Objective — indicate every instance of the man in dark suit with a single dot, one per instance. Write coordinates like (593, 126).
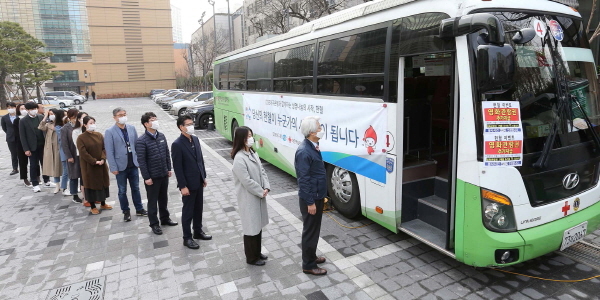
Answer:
(7, 122)
(188, 165)
(32, 140)
(312, 184)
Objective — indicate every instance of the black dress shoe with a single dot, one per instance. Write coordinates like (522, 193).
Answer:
(127, 216)
(191, 244)
(14, 172)
(263, 257)
(142, 213)
(156, 229)
(169, 222)
(259, 262)
(202, 236)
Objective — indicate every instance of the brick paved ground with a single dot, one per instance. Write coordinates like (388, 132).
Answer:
(47, 242)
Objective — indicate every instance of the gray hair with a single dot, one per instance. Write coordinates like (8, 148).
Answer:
(308, 125)
(117, 110)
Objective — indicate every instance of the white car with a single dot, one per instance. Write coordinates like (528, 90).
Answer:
(52, 100)
(179, 108)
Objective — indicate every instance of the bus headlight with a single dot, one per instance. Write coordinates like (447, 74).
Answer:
(498, 213)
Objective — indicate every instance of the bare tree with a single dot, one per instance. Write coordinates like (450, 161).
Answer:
(205, 50)
(589, 25)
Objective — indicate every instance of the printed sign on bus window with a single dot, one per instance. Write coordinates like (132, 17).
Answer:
(502, 134)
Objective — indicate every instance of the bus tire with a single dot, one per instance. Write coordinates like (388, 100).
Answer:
(234, 126)
(342, 188)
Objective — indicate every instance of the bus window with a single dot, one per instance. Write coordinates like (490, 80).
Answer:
(296, 62)
(237, 75)
(223, 76)
(260, 73)
(414, 35)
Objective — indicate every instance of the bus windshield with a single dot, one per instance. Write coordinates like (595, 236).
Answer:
(560, 45)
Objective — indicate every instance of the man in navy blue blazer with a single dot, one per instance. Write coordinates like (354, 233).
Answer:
(190, 172)
(119, 141)
(312, 184)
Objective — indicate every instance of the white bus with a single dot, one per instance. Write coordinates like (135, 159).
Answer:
(470, 125)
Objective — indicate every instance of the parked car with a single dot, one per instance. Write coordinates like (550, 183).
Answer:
(52, 100)
(157, 91)
(183, 97)
(179, 108)
(67, 95)
(163, 94)
(168, 96)
(163, 101)
(202, 113)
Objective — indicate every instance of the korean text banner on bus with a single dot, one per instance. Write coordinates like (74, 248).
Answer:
(355, 132)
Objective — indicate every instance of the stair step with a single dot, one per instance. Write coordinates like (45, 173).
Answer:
(436, 202)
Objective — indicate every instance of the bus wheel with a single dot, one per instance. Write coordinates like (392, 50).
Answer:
(234, 126)
(343, 190)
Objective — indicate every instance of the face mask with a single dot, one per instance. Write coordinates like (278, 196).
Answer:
(123, 120)
(81, 121)
(250, 142)
(23, 113)
(52, 117)
(190, 129)
(12, 111)
(155, 125)
(320, 134)
(91, 127)
(33, 112)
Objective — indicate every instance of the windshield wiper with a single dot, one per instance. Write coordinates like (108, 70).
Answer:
(587, 121)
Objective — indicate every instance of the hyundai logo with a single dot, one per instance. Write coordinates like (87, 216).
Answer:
(570, 181)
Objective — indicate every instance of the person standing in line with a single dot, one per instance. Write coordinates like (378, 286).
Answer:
(23, 160)
(8, 127)
(251, 186)
(51, 165)
(93, 95)
(155, 165)
(120, 140)
(77, 131)
(32, 140)
(93, 165)
(190, 172)
(69, 150)
(312, 184)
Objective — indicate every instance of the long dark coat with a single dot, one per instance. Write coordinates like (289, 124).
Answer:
(91, 150)
(70, 150)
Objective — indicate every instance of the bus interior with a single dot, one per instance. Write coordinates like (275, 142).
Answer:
(427, 147)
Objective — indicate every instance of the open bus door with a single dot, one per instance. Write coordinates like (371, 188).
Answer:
(426, 114)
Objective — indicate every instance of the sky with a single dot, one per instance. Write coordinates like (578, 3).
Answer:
(191, 10)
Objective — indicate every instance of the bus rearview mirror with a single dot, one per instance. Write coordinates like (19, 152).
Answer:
(458, 26)
(495, 68)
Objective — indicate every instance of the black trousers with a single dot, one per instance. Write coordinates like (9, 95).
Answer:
(252, 247)
(36, 160)
(192, 211)
(14, 156)
(23, 162)
(158, 198)
(310, 234)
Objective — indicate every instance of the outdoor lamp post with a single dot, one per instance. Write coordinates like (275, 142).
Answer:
(201, 21)
(212, 2)
(230, 27)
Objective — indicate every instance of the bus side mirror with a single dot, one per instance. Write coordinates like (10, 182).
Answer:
(458, 26)
(495, 68)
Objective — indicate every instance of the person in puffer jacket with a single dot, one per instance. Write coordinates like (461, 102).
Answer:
(155, 165)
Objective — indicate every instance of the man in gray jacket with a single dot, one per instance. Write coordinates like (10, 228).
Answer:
(155, 165)
(119, 142)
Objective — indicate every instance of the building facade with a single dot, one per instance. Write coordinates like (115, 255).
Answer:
(112, 47)
(177, 28)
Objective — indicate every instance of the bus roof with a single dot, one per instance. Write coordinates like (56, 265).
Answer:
(463, 7)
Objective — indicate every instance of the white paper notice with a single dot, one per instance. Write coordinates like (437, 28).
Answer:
(502, 134)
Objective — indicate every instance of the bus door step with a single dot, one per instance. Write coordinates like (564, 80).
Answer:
(432, 210)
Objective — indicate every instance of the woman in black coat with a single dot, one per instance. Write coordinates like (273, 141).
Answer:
(23, 159)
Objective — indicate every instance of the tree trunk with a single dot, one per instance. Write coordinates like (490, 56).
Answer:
(24, 97)
(3, 90)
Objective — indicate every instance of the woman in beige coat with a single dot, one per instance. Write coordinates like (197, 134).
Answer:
(52, 165)
(252, 187)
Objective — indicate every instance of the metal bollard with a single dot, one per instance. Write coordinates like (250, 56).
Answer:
(211, 124)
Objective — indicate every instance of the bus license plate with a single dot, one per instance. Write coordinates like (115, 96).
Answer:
(573, 235)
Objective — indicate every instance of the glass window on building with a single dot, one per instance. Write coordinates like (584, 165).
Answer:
(67, 76)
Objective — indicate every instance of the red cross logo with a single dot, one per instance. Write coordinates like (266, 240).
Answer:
(566, 208)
